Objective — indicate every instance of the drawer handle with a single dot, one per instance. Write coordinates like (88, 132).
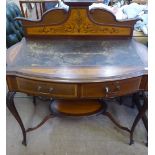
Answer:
(107, 90)
(40, 90)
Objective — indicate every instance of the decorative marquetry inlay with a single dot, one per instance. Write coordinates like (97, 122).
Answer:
(78, 23)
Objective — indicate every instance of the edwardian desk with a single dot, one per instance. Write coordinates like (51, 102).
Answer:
(77, 58)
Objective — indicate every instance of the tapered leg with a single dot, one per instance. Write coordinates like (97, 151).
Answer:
(12, 108)
(109, 115)
(34, 100)
(119, 99)
(136, 101)
(139, 116)
(115, 122)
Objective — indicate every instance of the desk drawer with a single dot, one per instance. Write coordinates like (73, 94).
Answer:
(46, 88)
(110, 89)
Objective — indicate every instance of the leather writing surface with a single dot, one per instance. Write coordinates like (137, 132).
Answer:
(69, 52)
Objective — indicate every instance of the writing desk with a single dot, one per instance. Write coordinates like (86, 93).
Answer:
(76, 68)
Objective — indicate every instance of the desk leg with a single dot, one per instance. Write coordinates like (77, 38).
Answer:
(13, 110)
(109, 115)
(34, 100)
(43, 121)
(136, 101)
(139, 116)
(115, 122)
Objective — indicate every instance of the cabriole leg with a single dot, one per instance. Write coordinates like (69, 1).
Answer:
(13, 110)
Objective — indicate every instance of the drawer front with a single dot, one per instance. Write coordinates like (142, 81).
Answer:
(110, 89)
(47, 88)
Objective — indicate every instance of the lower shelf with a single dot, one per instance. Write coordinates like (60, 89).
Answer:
(77, 107)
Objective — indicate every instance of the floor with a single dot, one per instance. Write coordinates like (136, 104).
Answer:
(65, 136)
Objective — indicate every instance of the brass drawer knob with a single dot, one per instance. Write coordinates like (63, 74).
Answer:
(109, 91)
(49, 90)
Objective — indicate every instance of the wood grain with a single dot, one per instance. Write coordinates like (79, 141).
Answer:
(77, 107)
(97, 90)
(78, 22)
(77, 90)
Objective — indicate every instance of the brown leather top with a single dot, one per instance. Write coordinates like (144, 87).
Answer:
(73, 59)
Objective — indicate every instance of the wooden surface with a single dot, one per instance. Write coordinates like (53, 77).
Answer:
(92, 90)
(77, 107)
(77, 60)
(68, 68)
(78, 20)
(40, 88)
(114, 89)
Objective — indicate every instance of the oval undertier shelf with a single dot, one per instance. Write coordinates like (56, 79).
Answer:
(77, 107)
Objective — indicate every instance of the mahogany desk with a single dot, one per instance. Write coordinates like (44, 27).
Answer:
(76, 73)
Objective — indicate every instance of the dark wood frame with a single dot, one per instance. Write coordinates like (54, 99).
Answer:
(14, 74)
